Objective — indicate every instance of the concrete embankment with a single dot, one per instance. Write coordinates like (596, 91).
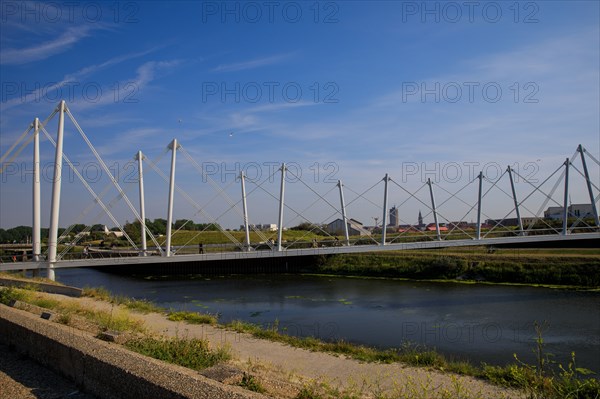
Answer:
(42, 286)
(104, 369)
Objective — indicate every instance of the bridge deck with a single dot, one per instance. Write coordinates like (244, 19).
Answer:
(225, 256)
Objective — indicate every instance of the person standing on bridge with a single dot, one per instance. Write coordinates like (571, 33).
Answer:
(200, 248)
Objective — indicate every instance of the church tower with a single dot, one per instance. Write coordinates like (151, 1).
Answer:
(420, 219)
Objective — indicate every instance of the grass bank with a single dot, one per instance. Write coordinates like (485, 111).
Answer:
(187, 352)
(538, 380)
(565, 267)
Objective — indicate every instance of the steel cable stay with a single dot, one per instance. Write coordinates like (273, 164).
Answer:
(411, 195)
(92, 192)
(106, 169)
(82, 214)
(197, 212)
(583, 175)
(316, 226)
(591, 156)
(257, 186)
(455, 195)
(362, 196)
(471, 207)
(110, 205)
(113, 202)
(15, 144)
(500, 221)
(298, 214)
(548, 197)
(195, 205)
(320, 197)
(359, 196)
(23, 135)
(222, 192)
(581, 218)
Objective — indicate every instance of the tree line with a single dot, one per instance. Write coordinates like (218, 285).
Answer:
(22, 234)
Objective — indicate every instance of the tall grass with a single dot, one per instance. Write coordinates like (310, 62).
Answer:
(192, 353)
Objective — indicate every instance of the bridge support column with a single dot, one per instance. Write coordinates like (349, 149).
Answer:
(478, 231)
(36, 240)
(386, 179)
(173, 147)
(344, 218)
(565, 229)
(281, 204)
(56, 187)
(140, 157)
(435, 217)
(514, 194)
(245, 209)
(589, 185)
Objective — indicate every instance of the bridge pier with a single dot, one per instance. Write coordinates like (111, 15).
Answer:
(36, 239)
(589, 185)
(478, 232)
(565, 230)
(386, 179)
(345, 219)
(140, 157)
(173, 146)
(281, 204)
(56, 188)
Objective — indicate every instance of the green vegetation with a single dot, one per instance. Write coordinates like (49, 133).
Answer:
(138, 305)
(115, 320)
(192, 353)
(537, 381)
(579, 267)
(192, 317)
(250, 383)
(545, 379)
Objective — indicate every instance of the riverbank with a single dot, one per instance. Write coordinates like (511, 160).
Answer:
(288, 372)
(569, 268)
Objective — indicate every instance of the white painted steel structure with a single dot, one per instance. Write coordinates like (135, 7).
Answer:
(571, 230)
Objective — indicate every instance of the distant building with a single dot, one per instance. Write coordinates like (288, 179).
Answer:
(355, 228)
(394, 217)
(267, 227)
(431, 227)
(117, 234)
(511, 222)
(574, 210)
(420, 223)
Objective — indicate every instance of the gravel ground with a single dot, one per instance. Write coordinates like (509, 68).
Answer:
(22, 378)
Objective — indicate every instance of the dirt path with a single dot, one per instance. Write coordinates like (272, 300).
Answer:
(292, 364)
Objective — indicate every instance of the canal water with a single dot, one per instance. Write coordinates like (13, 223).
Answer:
(476, 322)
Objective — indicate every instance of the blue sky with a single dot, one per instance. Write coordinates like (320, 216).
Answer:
(342, 90)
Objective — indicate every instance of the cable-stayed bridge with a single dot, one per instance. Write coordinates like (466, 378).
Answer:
(568, 223)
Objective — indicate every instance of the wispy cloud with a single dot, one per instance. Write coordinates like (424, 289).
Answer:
(144, 74)
(251, 64)
(42, 51)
